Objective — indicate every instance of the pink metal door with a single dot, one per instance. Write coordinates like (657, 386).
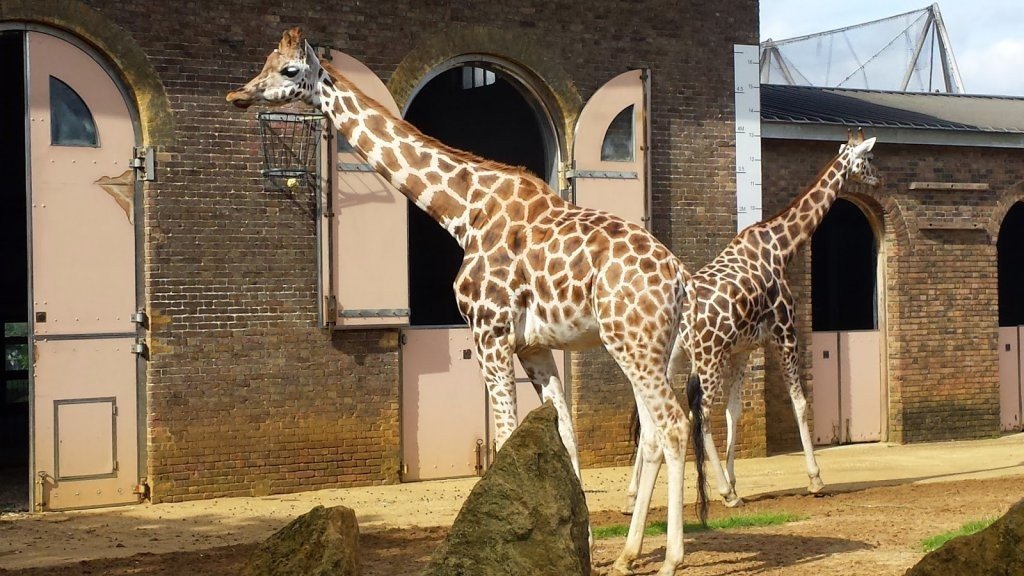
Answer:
(610, 169)
(860, 383)
(444, 407)
(825, 372)
(1010, 361)
(367, 278)
(84, 402)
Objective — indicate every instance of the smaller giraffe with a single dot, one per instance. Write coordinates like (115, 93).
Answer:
(742, 298)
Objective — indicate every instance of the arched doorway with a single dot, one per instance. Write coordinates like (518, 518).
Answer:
(487, 112)
(846, 340)
(1010, 249)
(71, 287)
(482, 107)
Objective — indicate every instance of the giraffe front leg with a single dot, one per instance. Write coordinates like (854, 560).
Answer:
(787, 347)
(540, 367)
(495, 357)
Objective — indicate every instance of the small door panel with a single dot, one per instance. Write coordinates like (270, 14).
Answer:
(367, 259)
(825, 371)
(1010, 359)
(77, 430)
(860, 379)
(84, 371)
(610, 149)
(444, 406)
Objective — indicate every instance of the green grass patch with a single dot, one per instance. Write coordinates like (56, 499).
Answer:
(727, 523)
(933, 542)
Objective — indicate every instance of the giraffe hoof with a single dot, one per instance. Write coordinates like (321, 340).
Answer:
(734, 502)
(816, 485)
(621, 568)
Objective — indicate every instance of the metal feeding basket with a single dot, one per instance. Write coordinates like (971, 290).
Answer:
(291, 146)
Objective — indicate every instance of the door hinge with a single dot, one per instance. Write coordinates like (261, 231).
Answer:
(402, 339)
(117, 465)
(140, 318)
(113, 409)
(144, 163)
(140, 348)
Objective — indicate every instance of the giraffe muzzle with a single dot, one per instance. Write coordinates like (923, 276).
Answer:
(240, 98)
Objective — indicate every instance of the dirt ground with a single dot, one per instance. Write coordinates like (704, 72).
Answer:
(861, 527)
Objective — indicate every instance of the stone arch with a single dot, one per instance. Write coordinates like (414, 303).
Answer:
(127, 58)
(1005, 201)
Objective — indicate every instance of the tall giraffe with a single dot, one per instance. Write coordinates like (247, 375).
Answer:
(539, 273)
(741, 299)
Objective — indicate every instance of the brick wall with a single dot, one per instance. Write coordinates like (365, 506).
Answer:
(245, 394)
(941, 306)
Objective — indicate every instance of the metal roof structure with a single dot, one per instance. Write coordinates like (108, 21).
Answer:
(908, 117)
(906, 52)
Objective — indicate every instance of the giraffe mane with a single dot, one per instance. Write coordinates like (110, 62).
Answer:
(456, 154)
(806, 191)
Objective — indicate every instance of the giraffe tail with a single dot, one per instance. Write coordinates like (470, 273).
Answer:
(694, 395)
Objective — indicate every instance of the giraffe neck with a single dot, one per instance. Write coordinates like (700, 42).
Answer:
(441, 181)
(794, 226)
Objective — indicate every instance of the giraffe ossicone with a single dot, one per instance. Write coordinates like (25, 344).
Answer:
(539, 273)
(742, 299)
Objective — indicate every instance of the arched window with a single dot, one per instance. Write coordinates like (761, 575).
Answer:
(71, 123)
(618, 140)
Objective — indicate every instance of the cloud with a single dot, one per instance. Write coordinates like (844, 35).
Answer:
(996, 68)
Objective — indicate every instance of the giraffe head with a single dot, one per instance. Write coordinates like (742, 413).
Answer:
(289, 75)
(858, 165)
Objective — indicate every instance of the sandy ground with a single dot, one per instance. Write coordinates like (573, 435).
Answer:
(883, 499)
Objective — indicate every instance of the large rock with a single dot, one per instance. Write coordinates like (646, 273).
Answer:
(321, 542)
(526, 517)
(995, 551)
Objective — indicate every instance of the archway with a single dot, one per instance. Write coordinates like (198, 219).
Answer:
(848, 399)
(1010, 249)
(479, 108)
(69, 399)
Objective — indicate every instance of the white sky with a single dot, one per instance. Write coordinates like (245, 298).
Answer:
(987, 35)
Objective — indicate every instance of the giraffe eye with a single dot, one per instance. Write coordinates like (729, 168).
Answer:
(290, 71)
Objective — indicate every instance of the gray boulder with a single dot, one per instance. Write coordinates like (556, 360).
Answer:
(527, 515)
(321, 542)
(995, 551)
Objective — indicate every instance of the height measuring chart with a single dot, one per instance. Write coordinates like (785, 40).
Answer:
(746, 68)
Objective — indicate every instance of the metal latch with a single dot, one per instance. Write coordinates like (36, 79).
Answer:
(144, 163)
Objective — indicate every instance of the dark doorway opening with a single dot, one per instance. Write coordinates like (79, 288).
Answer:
(1010, 248)
(485, 112)
(844, 274)
(14, 387)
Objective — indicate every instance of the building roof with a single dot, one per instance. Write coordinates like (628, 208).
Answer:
(880, 109)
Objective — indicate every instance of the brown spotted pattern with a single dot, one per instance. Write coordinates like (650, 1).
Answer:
(741, 299)
(539, 273)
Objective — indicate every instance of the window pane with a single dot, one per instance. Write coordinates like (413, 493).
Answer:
(16, 392)
(618, 140)
(71, 123)
(15, 329)
(15, 357)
